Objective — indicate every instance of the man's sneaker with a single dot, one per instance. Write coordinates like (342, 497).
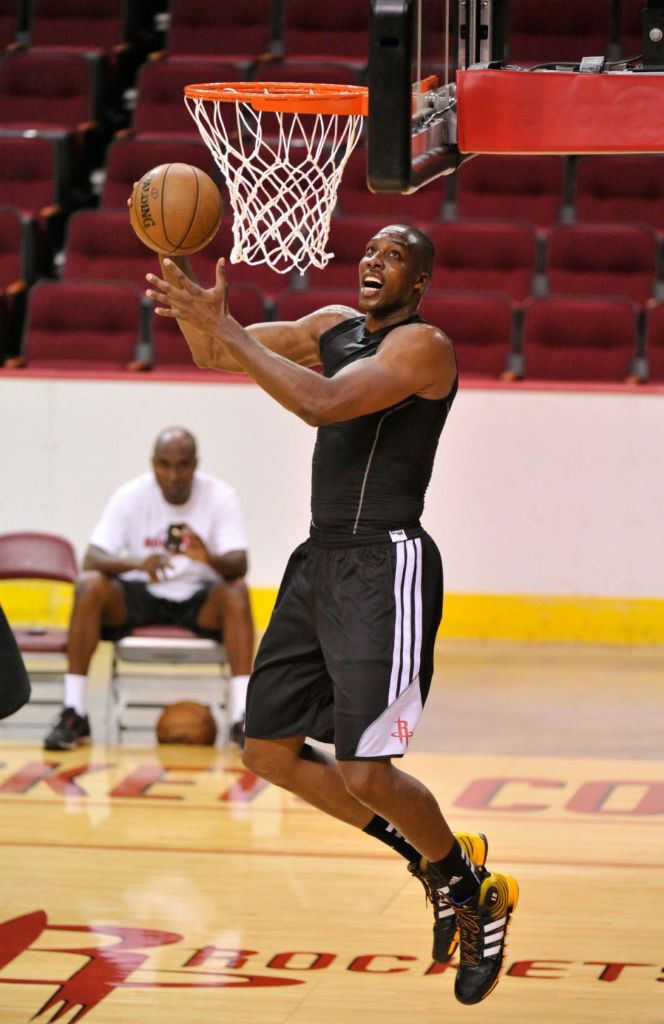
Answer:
(483, 922)
(70, 730)
(445, 930)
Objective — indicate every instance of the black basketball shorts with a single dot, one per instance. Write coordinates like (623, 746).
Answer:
(348, 655)
(144, 609)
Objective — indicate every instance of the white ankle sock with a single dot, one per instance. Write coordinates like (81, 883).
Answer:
(238, 697)
(74, 696)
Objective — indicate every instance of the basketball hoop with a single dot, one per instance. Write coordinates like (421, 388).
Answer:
(282, 157)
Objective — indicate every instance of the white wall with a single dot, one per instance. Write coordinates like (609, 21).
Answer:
(534, 492)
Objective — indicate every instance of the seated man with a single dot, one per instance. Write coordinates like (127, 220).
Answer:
(169, 549)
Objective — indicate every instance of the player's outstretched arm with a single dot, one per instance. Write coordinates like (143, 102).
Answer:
(204, 318)
(413, 359)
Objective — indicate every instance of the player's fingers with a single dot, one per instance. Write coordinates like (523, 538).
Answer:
(163, 286)
(162, 291)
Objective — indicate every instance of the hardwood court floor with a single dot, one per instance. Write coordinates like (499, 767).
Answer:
(165, 884)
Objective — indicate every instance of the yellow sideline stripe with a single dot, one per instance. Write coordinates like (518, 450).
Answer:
(515, 617)
(494, 616)
(590, 619)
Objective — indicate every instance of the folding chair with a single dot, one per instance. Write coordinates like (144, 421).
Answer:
(50, 559)
(156, 665)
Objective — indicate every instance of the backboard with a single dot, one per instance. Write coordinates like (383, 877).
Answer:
(415, 49)
(441, 92)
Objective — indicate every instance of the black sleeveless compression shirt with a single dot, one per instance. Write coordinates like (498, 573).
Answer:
(371, 473)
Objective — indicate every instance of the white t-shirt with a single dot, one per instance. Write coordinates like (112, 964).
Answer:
(136, 519)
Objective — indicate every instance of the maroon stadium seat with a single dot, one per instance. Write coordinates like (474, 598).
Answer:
(511, 188)
(49, 91)
(340, 30)
(236, 30)
(579, 338)
(101, 245)
(83, 325)
(35, 177)
(603, 259)
(495, 256)
(620, 188)
(102, 30)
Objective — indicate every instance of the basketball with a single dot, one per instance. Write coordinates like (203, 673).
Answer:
(187, 722)
(175, 209)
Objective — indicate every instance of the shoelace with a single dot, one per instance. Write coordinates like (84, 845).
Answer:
(433, 896)
(470, 931)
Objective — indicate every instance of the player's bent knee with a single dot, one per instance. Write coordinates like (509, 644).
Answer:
(267, 761)
(365, 780)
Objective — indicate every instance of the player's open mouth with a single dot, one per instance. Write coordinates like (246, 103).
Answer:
(371, 285)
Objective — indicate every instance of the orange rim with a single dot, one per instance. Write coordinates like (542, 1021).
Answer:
(291, 97)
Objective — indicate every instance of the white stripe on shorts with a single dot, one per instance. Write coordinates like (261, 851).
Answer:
(389, 734)
(408, 617)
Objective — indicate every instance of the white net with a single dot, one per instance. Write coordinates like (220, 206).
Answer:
(282, 171)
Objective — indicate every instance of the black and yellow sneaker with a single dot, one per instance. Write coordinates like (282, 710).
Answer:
(445, 930)
(483, 923)
(68, 731)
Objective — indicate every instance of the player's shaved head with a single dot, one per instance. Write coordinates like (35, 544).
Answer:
(417, 243)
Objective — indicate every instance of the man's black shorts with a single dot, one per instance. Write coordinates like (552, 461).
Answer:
(348, 654)
(144, 609)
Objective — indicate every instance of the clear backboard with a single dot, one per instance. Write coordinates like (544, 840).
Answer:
(440, 92)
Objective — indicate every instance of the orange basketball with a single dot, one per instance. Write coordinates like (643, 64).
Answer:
(175, 209)
(187, 722)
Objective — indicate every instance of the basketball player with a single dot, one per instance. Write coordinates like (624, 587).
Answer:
(348, 654)
(169, 549)
(14, 682)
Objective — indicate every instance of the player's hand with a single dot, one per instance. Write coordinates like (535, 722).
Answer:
(155, 566)
(182, 298)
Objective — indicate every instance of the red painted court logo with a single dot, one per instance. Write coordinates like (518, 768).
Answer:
(402, 731)
(110, 966)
